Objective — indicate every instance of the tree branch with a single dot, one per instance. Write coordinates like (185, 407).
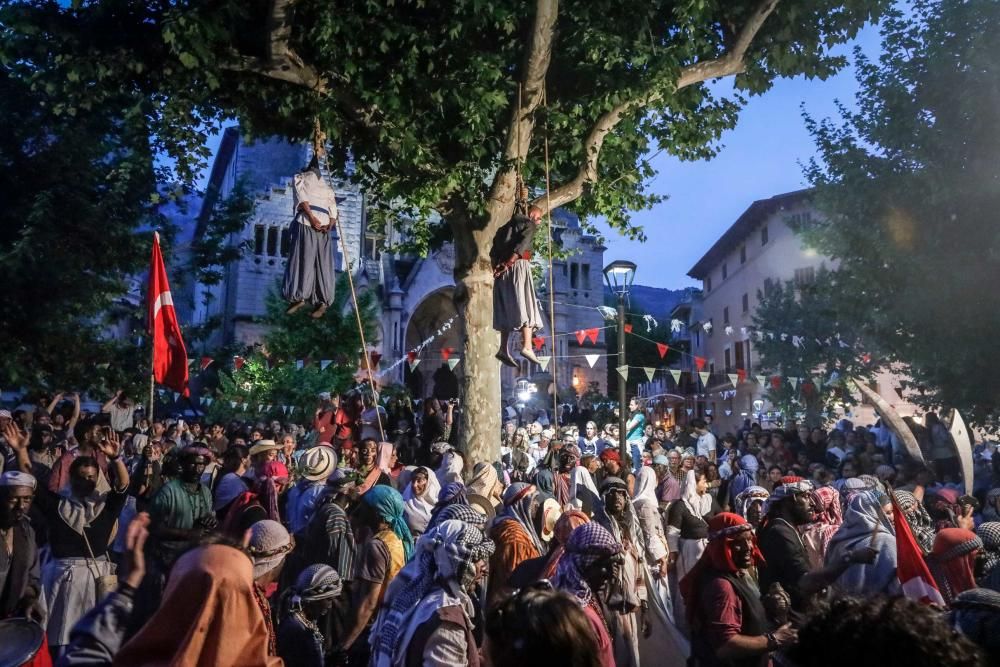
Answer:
(728, 64)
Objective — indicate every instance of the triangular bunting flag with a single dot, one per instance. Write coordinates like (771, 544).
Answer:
(411, 356)
(323, 363)
(592, 335)
(776, 381)
(628, 328)
(794, 382)
(662, 349)
(623, 371)
(209, 401)
(741, 375)
(704, 378)
(268, 408)
(374, 358)
(670, 410)
(708, 412)
(105, 366)
(761, 379)
(818, 381)
(676, 375)
(206, 362)
(452, 363)
(700, 362)
(544, 362)
(413, 363)
(299, 364)
(580, 336)
(446, 352)
(260, 408)
(538, 342)
(245, 406)
(238, 362)
(728, 412)
(689, 411)
(734, 378)
(176, 396)
(592, 359)
(232, 404)
(650, 372)
(284, 409)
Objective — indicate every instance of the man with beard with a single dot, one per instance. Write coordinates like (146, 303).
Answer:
(181, 511)
(785, 556)
(20, 576)
(724, 610)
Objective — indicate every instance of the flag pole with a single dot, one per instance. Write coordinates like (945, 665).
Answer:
(152, 350)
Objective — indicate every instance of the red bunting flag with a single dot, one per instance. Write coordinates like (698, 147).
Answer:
(170, 362)
(446, 352)
(867, 358)
(375, 357)
(592, 335)
(410, 356)
(776, 381)
(662, 349)
(238, 362)
(538, 342)
(628, 328)
(741, 373)
(700, 362)
(206, 362)
(580, 336)
(807, 388)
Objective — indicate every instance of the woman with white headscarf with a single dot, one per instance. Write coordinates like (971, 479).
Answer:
(582, 490)
(687, 530)
(450, 469)
(866, 524)
(419, 498)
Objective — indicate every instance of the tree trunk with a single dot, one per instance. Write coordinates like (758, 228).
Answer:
(479, 436)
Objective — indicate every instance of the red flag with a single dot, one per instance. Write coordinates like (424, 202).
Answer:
(741, 374)
(581, 336)
(776, 381)
(538, 342)
(700, 362)
(628, 328)
(912, 571)
(411, 355)
(592, 335)
(662, 349)
(238, 362)
(446, 352)
(170, 362)
(206, 362)
(375, 357)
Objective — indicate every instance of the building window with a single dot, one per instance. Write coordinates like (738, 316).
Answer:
(805, 276)
(711, 326)
(272, 241)
(258, 239)
(768, 287)
(725, 271)
(763, 235)
(708, 283)
(729, 360)
(725, 315)
(585, 275)
(574, 275)
(738, 354)
(746, 355)
(746, 302)
(743, 254)
(286, 240)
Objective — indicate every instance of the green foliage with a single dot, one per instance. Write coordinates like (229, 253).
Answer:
(269, 375)
(910, 184)
(815, 312)
(210, 250)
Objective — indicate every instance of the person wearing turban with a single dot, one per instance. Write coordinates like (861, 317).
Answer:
(515, 536)
(300, 640)
(724, 611)
(952, 561)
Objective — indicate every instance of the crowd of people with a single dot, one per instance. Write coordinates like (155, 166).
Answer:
(365, 537)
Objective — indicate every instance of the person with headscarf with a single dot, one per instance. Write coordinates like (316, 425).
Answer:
(328, 537)
(668, 488)
(976, 614)
(827, 519)
(259, 502)
(382, 556)
(20, 574)
(687, 524)
(300, 640)
(952, 561)
(269, 546)
(209, 616)
(450, 469)
(989, 565)
(728, 622)
(315, 466)
(647, 510)
(920, 522)
(991, 508)
(626, 600)
(485, 482)
(749, 504)
(866, 524)
(567, 459)
(582, 490)
(426, 618)
(451, 494)
(591, 561)
(419, 498)
(515, 536)
(745, 478)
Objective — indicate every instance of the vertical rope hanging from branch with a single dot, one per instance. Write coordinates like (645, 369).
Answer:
(552, 291)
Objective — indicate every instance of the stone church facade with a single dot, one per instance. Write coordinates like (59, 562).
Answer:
(415, 293)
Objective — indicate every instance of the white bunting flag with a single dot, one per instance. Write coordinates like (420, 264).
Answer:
(260, 407)
(232, 404)
(268, 408)
(818, 381)
(245, 406)
(676, 375)
(623, 371)
(650, 372)
(743, 331)
(176, 396)
(544, 361)
(704, 375)
(209, 401)
(670, 410)
(761, 379)
(728, 412)
(708, 412)
(452, 363)
(413, 364)
(729, 331)
(592, 359)
(299, 364)
(734, 378)
(689, 411)
(794, 382)
(323, 363)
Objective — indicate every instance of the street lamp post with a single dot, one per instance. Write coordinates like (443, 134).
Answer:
(619, 275)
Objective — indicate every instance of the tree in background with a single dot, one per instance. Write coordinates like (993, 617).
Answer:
(440, 105)
(639, 352)
(814, 312)
(910, 187)
(270, 376)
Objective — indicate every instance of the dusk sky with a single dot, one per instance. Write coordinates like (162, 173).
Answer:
(762, 157)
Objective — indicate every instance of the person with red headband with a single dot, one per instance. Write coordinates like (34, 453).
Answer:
(728, 622)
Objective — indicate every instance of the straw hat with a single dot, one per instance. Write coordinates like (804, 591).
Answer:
(263, 446)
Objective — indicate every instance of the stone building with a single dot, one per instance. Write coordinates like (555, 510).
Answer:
(415, 293)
